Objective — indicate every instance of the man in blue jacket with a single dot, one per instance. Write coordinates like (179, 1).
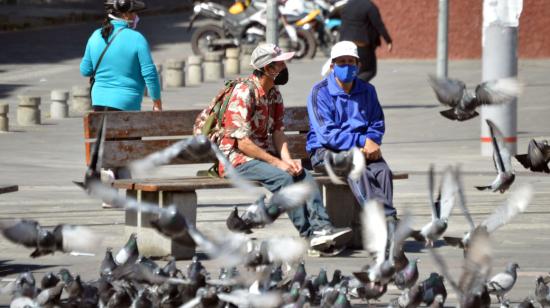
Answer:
(344, 113)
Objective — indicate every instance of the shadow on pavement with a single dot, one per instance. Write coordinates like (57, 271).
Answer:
(7, 89)
(16, 268)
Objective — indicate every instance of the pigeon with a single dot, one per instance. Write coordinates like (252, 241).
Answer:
(463, 103)
(542, 292)
(502, 160)
(375, 241)
(526, 303)
(63, 238)
(537, 157)
(503, 282)
(516, 203)
(243, 298)
(434, 290)
(441, 209)
(50, 296)
(93, 172)
(171, 223)
(410, 298)
(342, 300)
(407, 277)
(129, 253)
(49, 280)
(259, 214)
(471, 289)
(108, 264)
(344, 164)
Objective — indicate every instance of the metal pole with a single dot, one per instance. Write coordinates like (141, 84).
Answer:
(271, 35)
(499, 60)
(442, 39)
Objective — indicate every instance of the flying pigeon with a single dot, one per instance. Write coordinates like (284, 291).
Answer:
(537, 157)
(344, 164)
(441, 209)
(502, 160)
(463, 103)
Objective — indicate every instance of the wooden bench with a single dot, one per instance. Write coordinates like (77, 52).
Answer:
(158, 130)
(8, 188)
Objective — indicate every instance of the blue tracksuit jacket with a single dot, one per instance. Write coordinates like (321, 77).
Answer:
(339, 121)
(125, 69)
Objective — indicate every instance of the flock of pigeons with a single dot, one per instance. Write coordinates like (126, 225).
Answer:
(271, 272)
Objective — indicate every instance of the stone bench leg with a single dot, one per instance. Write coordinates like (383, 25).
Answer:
(343, 210)
(150, 242)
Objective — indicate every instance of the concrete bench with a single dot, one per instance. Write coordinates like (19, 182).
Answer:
(133, 135)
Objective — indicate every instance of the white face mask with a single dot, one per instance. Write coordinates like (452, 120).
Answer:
(131, 23)
(135, 22)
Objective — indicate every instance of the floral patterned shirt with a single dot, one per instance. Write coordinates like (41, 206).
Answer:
(255, 118)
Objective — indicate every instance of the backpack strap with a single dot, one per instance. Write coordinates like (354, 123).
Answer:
(225, 103)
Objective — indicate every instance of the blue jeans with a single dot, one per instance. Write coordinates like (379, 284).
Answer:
(308, 218)
(376, 182)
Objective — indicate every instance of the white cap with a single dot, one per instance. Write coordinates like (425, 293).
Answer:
(266, 53)
(344, 48)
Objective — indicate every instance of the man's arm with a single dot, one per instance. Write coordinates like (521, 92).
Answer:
(376, 20)
(250, 149)
(281, 145)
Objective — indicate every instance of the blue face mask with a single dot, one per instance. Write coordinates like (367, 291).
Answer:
(345, 73)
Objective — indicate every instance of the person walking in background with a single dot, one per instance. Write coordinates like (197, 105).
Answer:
(119, 63)
(363, 25)
(126, 66)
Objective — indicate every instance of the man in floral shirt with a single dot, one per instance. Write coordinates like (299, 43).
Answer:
(247, 124)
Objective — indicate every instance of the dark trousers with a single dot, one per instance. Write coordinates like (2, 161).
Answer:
(367, 56)
(376, 182)
(119, 172)
(308, 218)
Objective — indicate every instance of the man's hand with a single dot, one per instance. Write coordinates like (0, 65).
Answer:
(390, 47)
(157, 105)
(372, 150)
(296, 167)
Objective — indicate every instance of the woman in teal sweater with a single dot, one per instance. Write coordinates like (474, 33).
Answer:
(127, 65)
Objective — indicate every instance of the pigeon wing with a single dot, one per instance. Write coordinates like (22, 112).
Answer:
(498, 91)
(431, 184)
(462, 198)
(20, 231)
(375, 233)
(448, 194)
(80, 239)
(516, 203)
(359, 164)
(292, 196)
(448, 91)
(501, 155)
(524, 160)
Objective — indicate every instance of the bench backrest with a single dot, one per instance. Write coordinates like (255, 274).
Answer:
(135, 134)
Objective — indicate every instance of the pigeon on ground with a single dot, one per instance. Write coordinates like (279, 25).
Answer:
(434, 290)
(108, 263)
(63, 237)
(537, 157)
(50, 296)
(515, 204)
(463, 103)
(441, 209)
(407, 277)
(542, 292)
(49, 280)
(503, 282)
(502, 161)
(259, 214)
(526, 303)
(129, 253)
(344, 164)
(410, 298)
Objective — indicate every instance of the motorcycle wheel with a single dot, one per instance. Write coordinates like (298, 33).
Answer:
(202, 36)
(307, 46)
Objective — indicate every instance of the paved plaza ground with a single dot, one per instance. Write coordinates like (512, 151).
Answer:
(44, 159)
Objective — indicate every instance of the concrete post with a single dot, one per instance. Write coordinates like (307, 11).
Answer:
(271, 35)
(59, 108)
(28, 110)
(442, 35)
(499, 60)
(213, 69)
(4, 120)
(232, 66)
(174, 73)
(194, 70)
(82, 102)
(246, 52)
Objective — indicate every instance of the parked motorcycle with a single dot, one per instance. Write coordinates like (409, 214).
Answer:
(247, 28)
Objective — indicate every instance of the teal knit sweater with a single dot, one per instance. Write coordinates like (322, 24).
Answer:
(126, 68)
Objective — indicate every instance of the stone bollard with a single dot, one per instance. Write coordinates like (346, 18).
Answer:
(285, 44)
(174, 74)
(159, 73)
(28, 110)
(246, 52)
(213, 69)
(194, 70)
(59, 109)
(232, 65)
(4, 121)
(82, 102)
